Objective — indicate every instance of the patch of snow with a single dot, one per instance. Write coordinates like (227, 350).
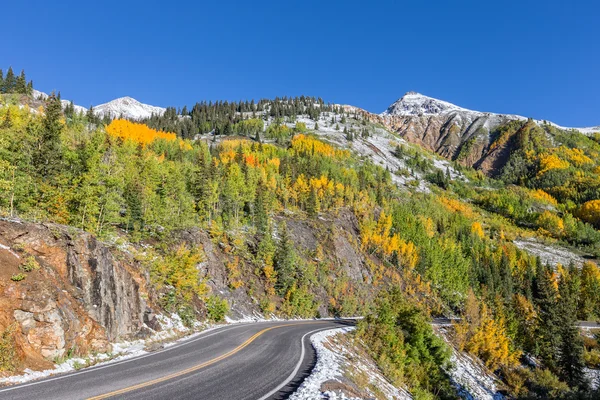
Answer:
(172, 327)
(3, 247)
(328, 367)
(552, 255)
(469, 376)
(593, 376)
(333, 359)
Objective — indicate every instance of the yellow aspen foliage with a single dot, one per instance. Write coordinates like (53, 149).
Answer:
(542, 196)
(234, 273)
(477, 229)
(270, 276)
(548, 162)
(576, 156)
(408, 254)
(484, 336)
(551, 223)
(138, 133)
(306, 144)
(454, 205)
(429, 226)
(590, 212)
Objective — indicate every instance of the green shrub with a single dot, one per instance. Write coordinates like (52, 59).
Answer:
(216, 308)
(18, 277)
(30, 264)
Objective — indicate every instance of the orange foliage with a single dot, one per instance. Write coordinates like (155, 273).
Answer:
(138, 133)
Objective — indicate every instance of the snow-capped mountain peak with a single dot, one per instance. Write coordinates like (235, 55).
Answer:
(128, 107)
(413, 103)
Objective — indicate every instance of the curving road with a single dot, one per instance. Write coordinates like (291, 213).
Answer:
(265, 360)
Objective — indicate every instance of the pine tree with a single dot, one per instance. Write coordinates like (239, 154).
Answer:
(285, 261)
(9, 81)
(30, 88)
(313, 205)
(548, 316)
(1, 81)
(48, 155)
(570, 362)
(21, 83)
(316, 126)
(7, 123)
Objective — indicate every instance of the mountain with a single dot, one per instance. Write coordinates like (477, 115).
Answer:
(413, 103)
(456, 133)
(126, 107)
(129, 108)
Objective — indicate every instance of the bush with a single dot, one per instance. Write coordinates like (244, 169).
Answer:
(8, 354)
(30, 264)
(216, 308)
(402, 341)
(18, 277)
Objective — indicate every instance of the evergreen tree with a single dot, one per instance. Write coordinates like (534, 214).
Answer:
(48, 155)
(548, 316)
(9, 81)
(1, 81)
(21, 83)
(91, 116)
(316, 126)
(285, 261)
(261, 211)
(30, 88)
(313, 205)
(7, 123)
(570, 361)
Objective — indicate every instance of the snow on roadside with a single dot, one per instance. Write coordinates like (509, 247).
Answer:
(469, 376)
(172, 328)
(334, 360)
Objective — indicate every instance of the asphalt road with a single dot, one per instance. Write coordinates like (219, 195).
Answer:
(266, 360)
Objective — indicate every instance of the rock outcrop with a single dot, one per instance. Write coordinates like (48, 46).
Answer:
(80, 296)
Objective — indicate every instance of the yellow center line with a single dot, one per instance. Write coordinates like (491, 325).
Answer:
(196, 367)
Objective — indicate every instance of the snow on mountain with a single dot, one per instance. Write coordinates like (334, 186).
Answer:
(413, 103)
(416, 104)
(129, 108)
(43, 96)
(125, 106)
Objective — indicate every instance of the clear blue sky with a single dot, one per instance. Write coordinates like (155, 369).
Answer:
(535, 58)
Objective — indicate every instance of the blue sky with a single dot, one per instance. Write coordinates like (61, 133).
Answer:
(534, 58)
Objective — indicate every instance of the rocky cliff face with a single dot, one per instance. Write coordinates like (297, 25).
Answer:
(453, 132)
(79, 296)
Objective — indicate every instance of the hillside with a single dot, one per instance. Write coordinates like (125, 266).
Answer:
(293, 207)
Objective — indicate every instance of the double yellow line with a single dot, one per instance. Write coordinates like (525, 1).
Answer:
(194, 368)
